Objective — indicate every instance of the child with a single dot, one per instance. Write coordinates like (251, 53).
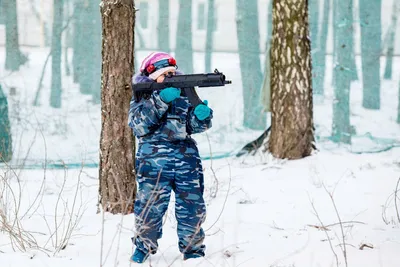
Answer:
(167, 159)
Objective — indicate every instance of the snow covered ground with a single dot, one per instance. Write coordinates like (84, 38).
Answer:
(266, 212)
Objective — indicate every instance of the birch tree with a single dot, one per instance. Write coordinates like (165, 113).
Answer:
(391, 42)
(210, 34)
(14, 57)
(291, 88)
(163, 25)
(56, 51)
(319, 60)
(250, 64)
(341, 131)
(184, 47)
(371, 31)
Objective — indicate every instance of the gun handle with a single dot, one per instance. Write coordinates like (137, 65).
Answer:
(194, 99)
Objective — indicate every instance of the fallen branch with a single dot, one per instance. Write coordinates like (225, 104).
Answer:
(362, 246)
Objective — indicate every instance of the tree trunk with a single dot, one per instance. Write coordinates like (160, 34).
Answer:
(163, 26)
(370, 24)
(398, 107)
(117, 180)
(314, 25)
(291, 89)
(313, 6)
(95, 62)
(90, 73)
(78, 38)
(56, 85)
(269, 23)
(341, 131)
(2, 13)
(250, 65)
(353, 65)
(266, 84)
(210, 35)
(68, 37)
(5, 129)
(334, 22)
(184, 48)
(14, 57)
(319, 60)
(392, 37)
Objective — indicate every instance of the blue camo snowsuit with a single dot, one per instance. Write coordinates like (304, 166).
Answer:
(168, 159)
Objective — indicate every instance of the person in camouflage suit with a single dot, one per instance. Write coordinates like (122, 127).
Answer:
(167, 160)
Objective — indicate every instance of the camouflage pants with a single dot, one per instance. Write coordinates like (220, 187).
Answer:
(162, 168)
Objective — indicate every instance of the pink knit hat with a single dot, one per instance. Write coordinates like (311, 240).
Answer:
(156, 64)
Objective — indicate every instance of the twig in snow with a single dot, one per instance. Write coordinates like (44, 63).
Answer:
(395, 200)
(344, 250)
(326, 233)
(362, 246)
(216, 182)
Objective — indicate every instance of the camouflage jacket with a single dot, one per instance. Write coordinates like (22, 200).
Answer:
(153, 120)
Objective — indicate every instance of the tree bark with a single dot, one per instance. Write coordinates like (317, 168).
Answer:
(371, 31)
(341, 130)
(56, 84)
(250, 64)
(291, 88)
(14, 57)
(117, 180)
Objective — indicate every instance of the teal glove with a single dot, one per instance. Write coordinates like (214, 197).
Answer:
(202, 111)
(170, 94)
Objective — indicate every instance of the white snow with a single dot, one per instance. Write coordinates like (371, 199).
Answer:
(262, 214)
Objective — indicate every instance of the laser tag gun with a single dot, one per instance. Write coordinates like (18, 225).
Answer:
(185, 82)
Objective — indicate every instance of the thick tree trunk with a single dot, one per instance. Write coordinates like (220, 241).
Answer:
(56, 85)
(14, 57)
(210, 35)
(341, 131)
(117, 181)
(370, 24)
(291, 89)
(163, 25)
(250, 65)
(184, 47)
